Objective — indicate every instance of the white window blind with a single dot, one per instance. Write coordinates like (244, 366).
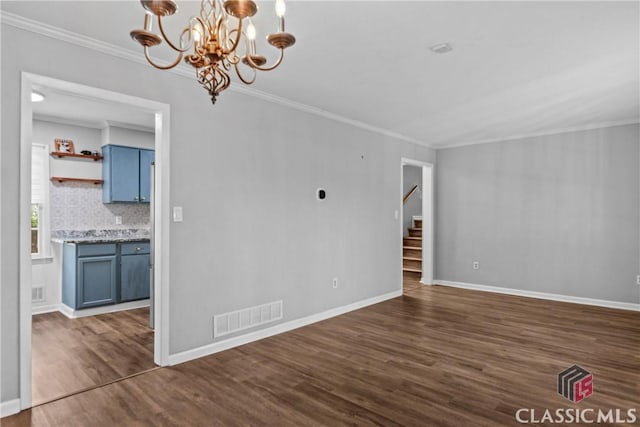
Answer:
(39, 181)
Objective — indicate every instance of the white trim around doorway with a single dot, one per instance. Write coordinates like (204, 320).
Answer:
(428, 257)
(161, 223)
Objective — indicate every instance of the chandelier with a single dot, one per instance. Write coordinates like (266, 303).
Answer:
(212, 42)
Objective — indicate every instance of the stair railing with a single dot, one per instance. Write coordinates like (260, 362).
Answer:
(409, 194)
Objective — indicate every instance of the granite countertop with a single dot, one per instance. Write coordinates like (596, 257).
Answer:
(100, 236)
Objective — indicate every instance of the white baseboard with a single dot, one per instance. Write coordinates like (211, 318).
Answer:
(9, 407)
(74, 314)
(218, 346)
(41, 309)
(541, 295)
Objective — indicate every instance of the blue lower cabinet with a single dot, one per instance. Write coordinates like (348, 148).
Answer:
(97, 283)
(95, 274)
(134, 277)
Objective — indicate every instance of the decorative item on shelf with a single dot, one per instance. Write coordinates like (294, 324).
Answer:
(214, 40)
(64, 146)
(86, 153)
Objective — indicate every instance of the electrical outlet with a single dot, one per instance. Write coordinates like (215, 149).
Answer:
(476, 265)
(638, 279)
(118, 220)
(335, 282)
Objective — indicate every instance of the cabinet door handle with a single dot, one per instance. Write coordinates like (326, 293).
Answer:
(135, 198)
(138, 249)
(142, 198)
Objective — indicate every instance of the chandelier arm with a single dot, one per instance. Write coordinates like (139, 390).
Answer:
(239, 74)
(257, 67)
(236, 41)
(161, 67)
(169, 41)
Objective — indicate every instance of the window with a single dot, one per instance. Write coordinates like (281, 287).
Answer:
(35, 229)
(39, 200)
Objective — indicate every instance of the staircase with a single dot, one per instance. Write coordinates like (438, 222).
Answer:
(412, 251)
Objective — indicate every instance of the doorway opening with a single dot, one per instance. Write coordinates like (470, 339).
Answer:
(93, 302)
(417, 224)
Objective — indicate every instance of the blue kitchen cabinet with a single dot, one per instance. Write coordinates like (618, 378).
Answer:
(96, 281)
(134, 271)
(89, 275)
(95, 274)
(146, 159)
(126, 173)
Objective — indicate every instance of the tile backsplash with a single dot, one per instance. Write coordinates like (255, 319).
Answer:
(78, 206)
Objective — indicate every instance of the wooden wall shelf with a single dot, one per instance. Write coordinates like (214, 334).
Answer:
(79, 156)
(64, 179)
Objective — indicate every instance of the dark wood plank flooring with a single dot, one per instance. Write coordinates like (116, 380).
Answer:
(410, 281)
(69, 355)
(435, 356)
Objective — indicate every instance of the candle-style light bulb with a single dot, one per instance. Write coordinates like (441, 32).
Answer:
(147, 22)
(251, 36)
(280, 8)
(197, 35)
(251, 31)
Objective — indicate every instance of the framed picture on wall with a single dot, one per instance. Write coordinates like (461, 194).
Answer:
(64, 146)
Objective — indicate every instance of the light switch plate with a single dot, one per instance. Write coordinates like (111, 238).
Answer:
(177, 214)
(118, 220)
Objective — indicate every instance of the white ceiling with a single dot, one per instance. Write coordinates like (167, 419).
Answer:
(64, 107)
(516, 69)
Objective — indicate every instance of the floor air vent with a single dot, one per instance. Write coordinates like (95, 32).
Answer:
(228, 323)
(37, 294)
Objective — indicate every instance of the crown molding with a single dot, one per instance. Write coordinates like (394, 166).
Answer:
(67, 36)
(324, 113)
(557, 131)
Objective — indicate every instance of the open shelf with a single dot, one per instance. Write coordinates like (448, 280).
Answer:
(64, 179)
(79, 156)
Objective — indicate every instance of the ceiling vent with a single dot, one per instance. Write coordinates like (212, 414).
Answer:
(441, 48)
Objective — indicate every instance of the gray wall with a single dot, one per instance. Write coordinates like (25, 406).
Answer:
(411, 176)
(129, 137)
(557, 214)
(45, 132)
(245, 172)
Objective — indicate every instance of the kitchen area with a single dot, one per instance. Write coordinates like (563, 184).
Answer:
(92, 185)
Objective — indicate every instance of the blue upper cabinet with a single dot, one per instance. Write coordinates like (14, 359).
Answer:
(146, 159)
(121, 174)
(126, 172)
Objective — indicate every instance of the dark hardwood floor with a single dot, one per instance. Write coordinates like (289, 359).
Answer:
(410, 281)
(70, 355)
(435, 356)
